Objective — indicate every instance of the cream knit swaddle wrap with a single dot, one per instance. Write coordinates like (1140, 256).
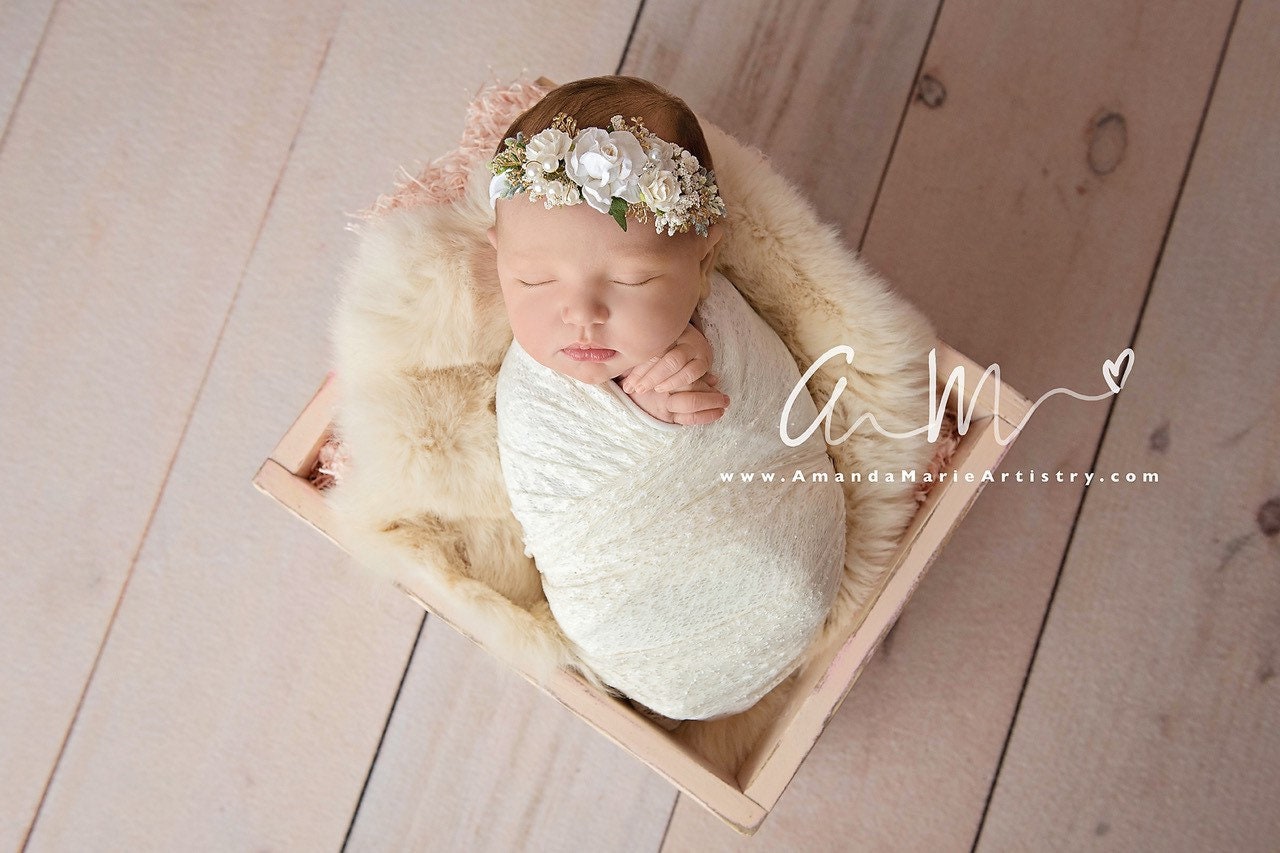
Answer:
(692, 595)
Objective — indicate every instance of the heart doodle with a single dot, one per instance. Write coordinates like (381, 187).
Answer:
(1111, 369)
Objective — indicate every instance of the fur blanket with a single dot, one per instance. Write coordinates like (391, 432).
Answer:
(419, 334)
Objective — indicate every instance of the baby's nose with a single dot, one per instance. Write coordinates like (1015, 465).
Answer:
(584, 311)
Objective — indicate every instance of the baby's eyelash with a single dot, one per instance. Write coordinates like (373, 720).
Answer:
(627, 283)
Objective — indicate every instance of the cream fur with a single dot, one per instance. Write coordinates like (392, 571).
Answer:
(419, 334)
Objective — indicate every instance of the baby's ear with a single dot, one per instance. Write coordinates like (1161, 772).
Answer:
(711, 251)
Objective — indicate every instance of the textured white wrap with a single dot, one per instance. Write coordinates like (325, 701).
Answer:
(693, 596)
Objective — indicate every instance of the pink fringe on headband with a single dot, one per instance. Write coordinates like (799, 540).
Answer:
(444, 179)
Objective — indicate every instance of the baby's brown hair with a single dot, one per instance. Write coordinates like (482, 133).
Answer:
(594, 101)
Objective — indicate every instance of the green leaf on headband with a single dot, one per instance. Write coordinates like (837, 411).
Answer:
(618, 210)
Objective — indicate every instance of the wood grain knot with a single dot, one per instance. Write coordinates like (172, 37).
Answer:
(1108, 139)
(930, 91)
(1269, 517)
(1159, 440)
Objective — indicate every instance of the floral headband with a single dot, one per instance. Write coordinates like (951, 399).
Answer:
(626, 170)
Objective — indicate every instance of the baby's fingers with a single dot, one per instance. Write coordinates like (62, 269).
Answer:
(688, 403)
(638, 373)
(656, 372)
(643, 377)
(687, 374)
(706, 416)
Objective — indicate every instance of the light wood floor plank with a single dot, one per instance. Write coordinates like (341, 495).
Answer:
(134, 178)
(1016, 213)
(1151, 720)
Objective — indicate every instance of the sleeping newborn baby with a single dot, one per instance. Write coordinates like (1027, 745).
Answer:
(683, 586)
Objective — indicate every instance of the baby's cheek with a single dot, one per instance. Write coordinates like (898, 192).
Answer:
(659, 337)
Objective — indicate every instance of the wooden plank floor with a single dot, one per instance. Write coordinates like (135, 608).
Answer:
(185, 666)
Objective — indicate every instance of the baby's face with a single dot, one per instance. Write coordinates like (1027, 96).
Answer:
(570, 274)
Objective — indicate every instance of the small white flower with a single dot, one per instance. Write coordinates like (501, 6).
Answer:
(499, 187)
(663, 154)
(558, 193)
(538, 187)
(689, 162)
(661, 190)
(547, 149)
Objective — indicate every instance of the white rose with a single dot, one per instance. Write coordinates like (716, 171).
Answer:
(660, 189)
(605, 164)
(547, 148)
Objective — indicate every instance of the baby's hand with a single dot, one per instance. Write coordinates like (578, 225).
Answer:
(688, 360)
